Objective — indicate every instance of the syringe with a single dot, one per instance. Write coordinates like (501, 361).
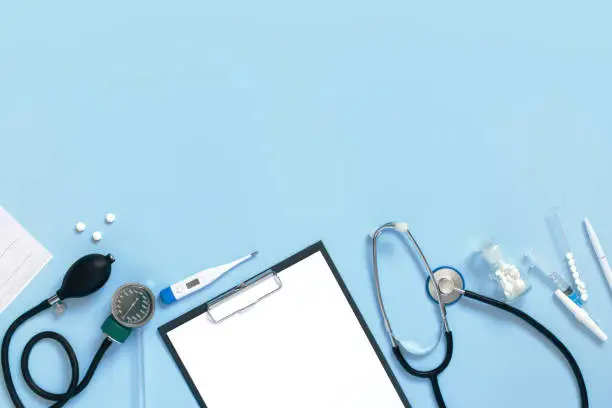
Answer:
(557, 279)
(559, 236)
(569, 298)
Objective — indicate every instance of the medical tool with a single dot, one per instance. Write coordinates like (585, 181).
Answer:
(199, 280)
(581, 315)
(446, 285)
(599, 252)
(132, 306)
(86, 276)
(569, 298)
(554, 277)
(559, 236)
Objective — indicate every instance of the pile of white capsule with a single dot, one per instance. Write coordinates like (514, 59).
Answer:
(509, 277)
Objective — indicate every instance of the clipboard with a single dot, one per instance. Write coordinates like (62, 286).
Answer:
(291, 336)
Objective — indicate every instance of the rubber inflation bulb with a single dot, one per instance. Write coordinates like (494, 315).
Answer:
(86, 276)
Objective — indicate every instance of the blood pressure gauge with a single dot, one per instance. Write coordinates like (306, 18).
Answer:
(133, 306)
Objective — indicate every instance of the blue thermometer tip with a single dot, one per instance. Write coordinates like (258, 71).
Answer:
(167, 296)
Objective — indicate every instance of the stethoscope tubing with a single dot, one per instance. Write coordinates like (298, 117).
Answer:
(433, 374)
(584, 398)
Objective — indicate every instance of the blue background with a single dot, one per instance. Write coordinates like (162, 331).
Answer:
(216, 128)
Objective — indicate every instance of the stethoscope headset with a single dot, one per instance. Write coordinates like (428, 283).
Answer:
(445, 286)
(86, 276)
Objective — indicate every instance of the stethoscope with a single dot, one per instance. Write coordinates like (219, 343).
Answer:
(445, 286)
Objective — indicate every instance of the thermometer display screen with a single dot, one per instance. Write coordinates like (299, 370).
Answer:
(193, 283)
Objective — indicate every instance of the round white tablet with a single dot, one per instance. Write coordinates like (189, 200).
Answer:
(110, 218)
(96, 236)
(80, 227)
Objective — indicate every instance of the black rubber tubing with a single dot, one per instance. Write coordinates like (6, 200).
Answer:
(432, 375)
(584, 398)
(75, 387)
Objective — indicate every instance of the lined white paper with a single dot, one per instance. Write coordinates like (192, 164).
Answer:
(301, 347)
(21, 258)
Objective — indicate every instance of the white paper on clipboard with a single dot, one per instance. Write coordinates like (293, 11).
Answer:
(303, 346)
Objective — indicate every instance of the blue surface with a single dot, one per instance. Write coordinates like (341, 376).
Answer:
(216, 128)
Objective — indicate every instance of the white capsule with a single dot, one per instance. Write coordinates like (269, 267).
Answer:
(584, 297)
(573, 269)
(110, 218)
(96, 236)
(520, 286)
(572, 262)
(569, 255)
(80, 226)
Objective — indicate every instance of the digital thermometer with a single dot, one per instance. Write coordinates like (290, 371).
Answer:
(199, 281)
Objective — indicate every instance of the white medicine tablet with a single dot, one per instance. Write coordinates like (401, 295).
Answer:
(96, 236)
(109, 218)
(584, 297)
(80, 227)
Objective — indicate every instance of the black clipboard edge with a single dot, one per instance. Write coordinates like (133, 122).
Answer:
(292, 260)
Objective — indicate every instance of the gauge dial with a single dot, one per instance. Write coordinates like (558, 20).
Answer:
(133, 305)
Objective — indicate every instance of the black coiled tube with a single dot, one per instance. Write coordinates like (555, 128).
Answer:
(75, 387)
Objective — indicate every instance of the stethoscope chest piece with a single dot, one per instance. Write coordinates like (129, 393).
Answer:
(448, 280)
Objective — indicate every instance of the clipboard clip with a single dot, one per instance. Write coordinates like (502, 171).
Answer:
(244, 296)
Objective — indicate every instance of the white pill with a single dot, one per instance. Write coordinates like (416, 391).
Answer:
(580, 283)
(569, 255)
(110, 218)
(573, 269)
(80, 227)
(96, 236)
(584, 297)
(520, 286)
(575, 275)
(572, 262)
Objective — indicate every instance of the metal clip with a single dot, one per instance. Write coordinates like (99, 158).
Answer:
(235, 300)
(57, 302)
